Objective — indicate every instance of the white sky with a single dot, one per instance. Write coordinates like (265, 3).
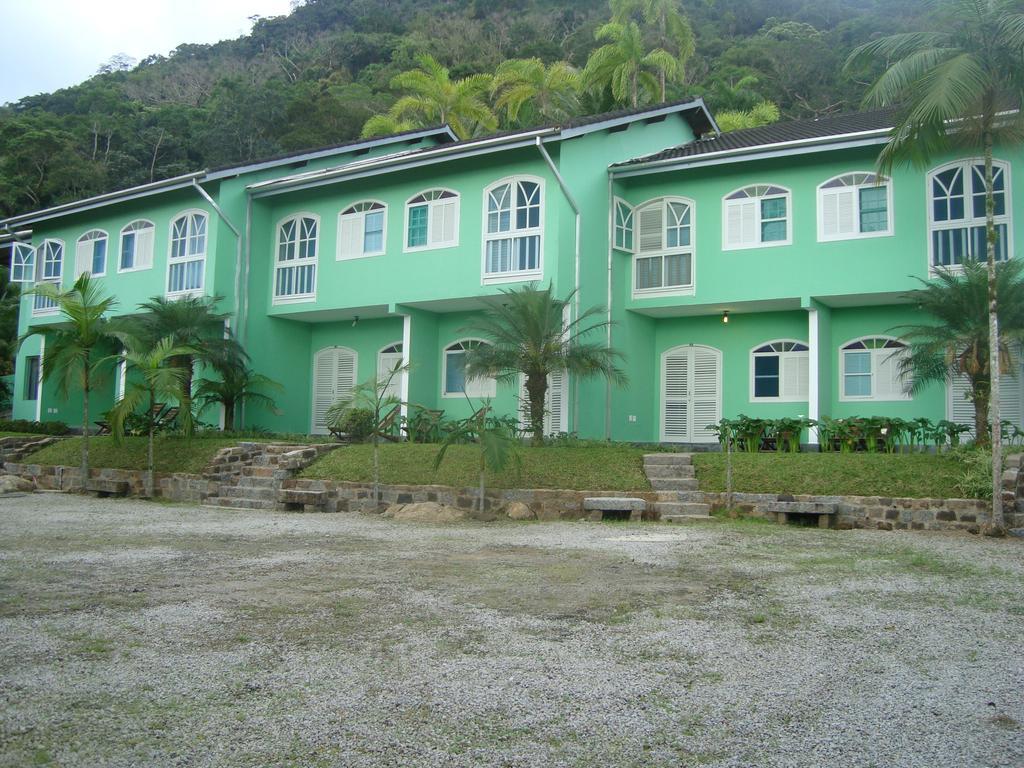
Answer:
(51, 44)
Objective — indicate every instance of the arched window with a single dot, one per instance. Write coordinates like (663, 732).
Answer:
(664, 246)
(91, 253)
(869, 369)
(513, 226)
(779, 371)
(186, 263)
(454, 375)
(361, 230)
(295, 258)
(432, 220)
(623, 226)
(956, 212)
(136, 250)
(755, 217)
(854, 205)
(23, 263)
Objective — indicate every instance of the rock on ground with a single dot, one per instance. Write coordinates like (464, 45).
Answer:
(15, 484)
(426, 512)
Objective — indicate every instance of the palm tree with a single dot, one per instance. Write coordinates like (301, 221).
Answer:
(528, 335)
(193, 323)
(549, 92)
(72, 346)
(959, 88)
(957, 342)
(672, 32)
(157, 380)
(433, 98)
(237, 384)
(762, 113)
(625, 65)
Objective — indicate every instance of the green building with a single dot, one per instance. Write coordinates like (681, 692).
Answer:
(760, 271)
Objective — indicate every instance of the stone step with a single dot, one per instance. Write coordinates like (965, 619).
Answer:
(220, 501)
(257, 494)
(248, 481)
(696, 497)
(685, 518)
(670, 470)
(674, 484)
(300, 496)
(667, 509)
(667, 458)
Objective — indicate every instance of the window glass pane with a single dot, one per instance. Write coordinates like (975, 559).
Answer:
(527, 205)
(373, 232)
(32, 378)
(455, 373)
(858, 362)
(648, 272)
(99, 256)
(774, 208)
(978, 188)
(766, 376)
(499, 256)
(857, 385)
(527, 252)
(773, 231)
(417, 226)
(874, 215)
(677, 269)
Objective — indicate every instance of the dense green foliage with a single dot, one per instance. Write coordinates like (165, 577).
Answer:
(22, 426)
(316, 76)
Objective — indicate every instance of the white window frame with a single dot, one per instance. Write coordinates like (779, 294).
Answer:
(23, 263)
(355, 212)
(453, 199)
(41, 306)
(513, 233)
(877, 355)
(728, 204)
(969, 221)
(824, 191)
(626, 229)
(86, 240)
(664, 250)
(754, 354)
(135, 227)
(278, 266)
(187, 258)
(487, 387)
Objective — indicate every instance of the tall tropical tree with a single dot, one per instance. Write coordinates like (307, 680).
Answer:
(957, 341)
(433, 98)
(151, 378)
(74, 347)
(625, 65)
(670, 31)
(550, 93)
(959, 88)
(235, 385)
(192, 323)
(528, 335)
(763, 113)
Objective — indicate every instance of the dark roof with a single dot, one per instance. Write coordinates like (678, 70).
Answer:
(776, 133)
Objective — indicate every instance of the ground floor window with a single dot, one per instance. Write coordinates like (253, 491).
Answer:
(780, 372)
(32, 377)
(870, 369)
(456, 383)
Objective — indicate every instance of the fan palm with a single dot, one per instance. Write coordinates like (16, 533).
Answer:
(528, 335)
(73, 346)
(238, 384)
(672, 32)
(433, 98)
(155, 380)
(958, 88)
(550, 93)
(624, 64)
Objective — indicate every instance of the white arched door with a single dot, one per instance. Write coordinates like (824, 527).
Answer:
(334, 376)
(387, 359)
(691, 394)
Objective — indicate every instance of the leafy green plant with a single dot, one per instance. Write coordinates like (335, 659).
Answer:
(974, 478)
(35, 427)
(357, 423)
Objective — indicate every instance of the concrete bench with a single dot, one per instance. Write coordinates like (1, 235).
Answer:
(614, 508)
(820, 513)
(293, 498)
(104, 488)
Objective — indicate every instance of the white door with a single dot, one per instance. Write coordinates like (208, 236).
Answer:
(334, 376)
(960, 409)
(387, 359)
(556, 404)
(691, 394)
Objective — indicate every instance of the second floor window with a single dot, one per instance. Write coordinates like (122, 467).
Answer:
(756, 217)
(854, 205)
(136, 250)
(49, 269)
(361, 230)
(956, 215)
(187, 258)
(623, 226)
(432, 220)
(91, 253)
(295, 262)
(23, 263)
(664, 245)
(512, 238)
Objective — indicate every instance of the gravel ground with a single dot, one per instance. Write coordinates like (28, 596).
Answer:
(136, 634)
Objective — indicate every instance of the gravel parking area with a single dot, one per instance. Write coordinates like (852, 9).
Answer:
(136, 634)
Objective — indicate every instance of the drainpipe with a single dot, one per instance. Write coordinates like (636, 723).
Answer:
(238, 244)
(608, 316)
(576, 268)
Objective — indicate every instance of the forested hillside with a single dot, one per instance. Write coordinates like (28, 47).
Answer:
(317, 75)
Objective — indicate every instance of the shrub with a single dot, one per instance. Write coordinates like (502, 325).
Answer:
(35, 427)
(357, 423)
(974, 480)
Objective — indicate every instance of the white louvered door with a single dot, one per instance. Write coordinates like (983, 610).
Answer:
(691, 380)
(1011, 401)
(386, 362)
(556, 404)
(334, 376)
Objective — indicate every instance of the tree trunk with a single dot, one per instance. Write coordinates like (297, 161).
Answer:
(981, 434)
(993, 340)
(229, 415)
(536, 390)
(151, 480)
(376, 469)
(661, 81)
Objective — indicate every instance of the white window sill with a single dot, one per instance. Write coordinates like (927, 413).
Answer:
(872, 399)
(353, 257)
(185, 294)
(285, 300)
(512, 277)
(121, 271)
(433, 247)
(45, 312)
(464, 395)
(772, 244)
(756, 400)
(657, 293)
(855, 236)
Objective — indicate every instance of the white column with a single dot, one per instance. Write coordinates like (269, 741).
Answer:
(403, 391)
(39, 380)
(812, 373)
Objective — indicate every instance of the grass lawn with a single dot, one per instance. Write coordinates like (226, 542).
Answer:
(841, 474)
(170, 454)
(588, 467)
(21, 434)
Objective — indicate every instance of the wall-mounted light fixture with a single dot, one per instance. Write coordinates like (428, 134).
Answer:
(355, 321)
(725, 316)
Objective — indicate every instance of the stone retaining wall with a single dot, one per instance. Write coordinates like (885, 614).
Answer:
(174, 487)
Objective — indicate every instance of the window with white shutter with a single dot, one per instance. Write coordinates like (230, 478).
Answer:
(779, 372)
(295, 258)
(432, 220)
(960, 406)
(136, 251)
(334, 378)
(756, 216)
(362, 230)
(664, 256)
(556, 404)
(691, 385)
(854, 205)
(23, 263)
(869, 369)
(956, 213)
(623, 226)
(91, 254)
(49, 269)
(513, 230)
